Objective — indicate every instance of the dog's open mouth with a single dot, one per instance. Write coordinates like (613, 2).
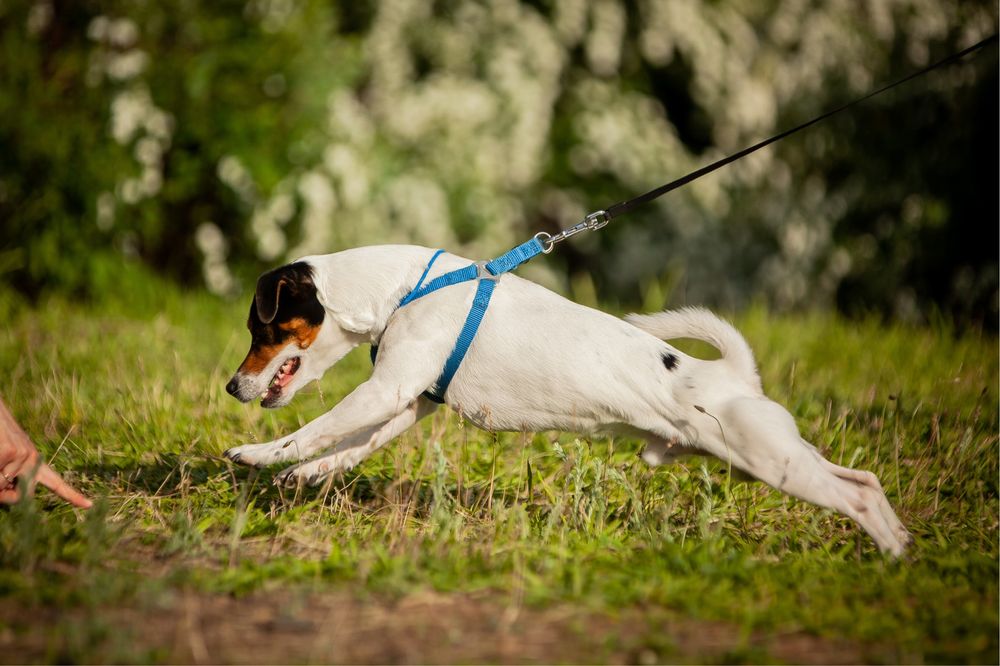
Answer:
(280, 380)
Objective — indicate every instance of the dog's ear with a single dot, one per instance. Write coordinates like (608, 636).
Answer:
(268, 292)
(289, 280)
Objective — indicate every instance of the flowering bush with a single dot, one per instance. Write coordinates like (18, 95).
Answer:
(234, 135)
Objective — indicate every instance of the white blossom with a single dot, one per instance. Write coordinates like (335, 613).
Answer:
(232, 172)
(603, 45)
(214, 248)
(39, 17)
(454, 128)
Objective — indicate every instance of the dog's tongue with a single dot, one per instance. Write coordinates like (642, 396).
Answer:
(286, 372)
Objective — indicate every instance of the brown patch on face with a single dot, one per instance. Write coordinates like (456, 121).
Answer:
(258, 358)
(302, 332)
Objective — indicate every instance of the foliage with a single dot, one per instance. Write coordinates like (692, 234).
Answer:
(211, 139)
(127, 398)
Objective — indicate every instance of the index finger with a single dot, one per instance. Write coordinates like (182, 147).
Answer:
(51, 480)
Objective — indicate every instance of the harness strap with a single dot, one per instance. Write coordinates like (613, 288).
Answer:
(515, 257)
(488, 275)
(480, 302)
(423, 276)
(446, 280)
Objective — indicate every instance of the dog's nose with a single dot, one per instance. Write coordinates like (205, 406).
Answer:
(232, 386)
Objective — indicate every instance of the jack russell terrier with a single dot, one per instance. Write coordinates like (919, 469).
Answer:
(538, 362)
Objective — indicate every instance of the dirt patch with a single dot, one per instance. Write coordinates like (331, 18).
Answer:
(338, 627)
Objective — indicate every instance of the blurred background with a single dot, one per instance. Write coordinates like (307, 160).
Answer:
(206, 141)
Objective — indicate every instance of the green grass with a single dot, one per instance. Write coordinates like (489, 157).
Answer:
(128, 399)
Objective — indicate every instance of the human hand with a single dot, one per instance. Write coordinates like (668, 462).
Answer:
(21, 467)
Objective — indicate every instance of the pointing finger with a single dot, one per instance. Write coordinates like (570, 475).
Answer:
(51, 480)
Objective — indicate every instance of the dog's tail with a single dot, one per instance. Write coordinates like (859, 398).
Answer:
(700, 324)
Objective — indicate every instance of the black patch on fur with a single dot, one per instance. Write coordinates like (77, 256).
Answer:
(669, 360)
(283, 294)
(294, 282)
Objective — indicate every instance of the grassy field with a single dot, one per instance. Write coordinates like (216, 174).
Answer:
(455, 545)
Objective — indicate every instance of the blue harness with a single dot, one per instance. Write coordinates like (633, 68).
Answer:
(487, 273)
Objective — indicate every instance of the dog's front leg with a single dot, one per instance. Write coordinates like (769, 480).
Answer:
(367, 407)
(355, 448)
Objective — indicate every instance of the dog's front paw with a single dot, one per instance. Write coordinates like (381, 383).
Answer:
(257, 455)
(243, 455)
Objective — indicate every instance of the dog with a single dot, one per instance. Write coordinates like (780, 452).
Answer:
(539, 362)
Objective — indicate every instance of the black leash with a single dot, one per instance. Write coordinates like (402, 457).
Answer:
(600, 218)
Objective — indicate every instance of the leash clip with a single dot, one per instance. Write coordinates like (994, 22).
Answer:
(593, 222)
(597, 220)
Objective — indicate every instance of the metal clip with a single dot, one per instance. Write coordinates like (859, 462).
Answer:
(483, 273)
(546, 240)
(597, 220)
(592, 222)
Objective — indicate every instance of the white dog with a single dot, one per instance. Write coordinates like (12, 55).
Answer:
(539, 362)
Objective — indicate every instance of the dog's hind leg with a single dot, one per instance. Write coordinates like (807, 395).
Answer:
(761, 438)
(866, 478)
(355, 448)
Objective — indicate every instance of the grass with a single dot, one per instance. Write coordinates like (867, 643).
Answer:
(127, 397)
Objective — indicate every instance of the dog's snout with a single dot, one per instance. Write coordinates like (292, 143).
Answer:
(232, 387)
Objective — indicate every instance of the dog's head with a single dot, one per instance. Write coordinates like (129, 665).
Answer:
(291, 341)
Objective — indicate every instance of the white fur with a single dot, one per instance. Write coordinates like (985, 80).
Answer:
(541, 362)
